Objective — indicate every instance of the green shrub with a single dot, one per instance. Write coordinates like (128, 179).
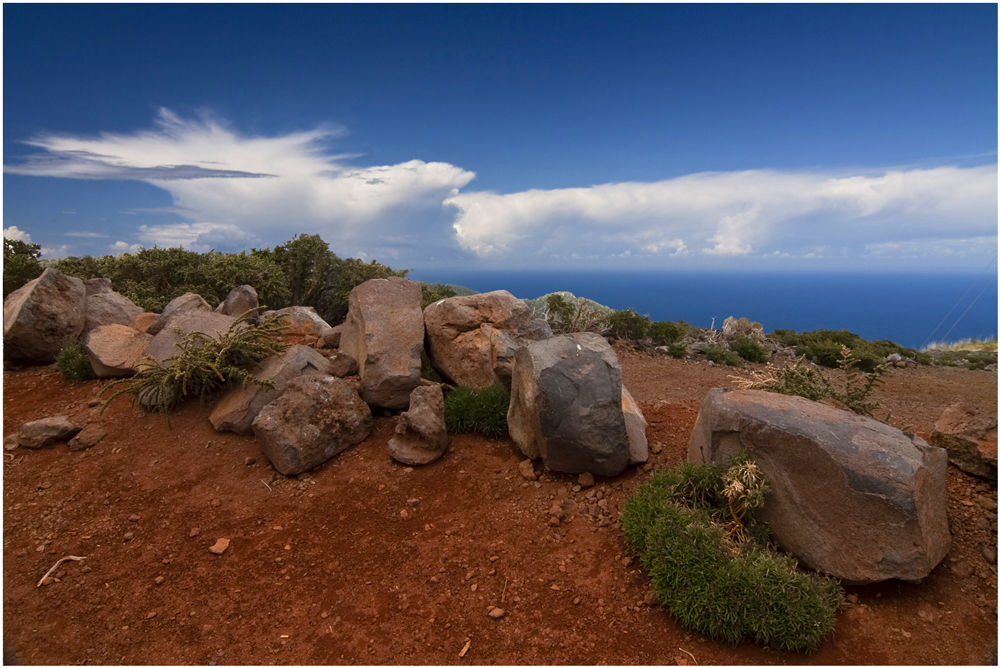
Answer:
(693, 531)
(823, 347)
(628, 325)
(204, 365)
(749, 349)
(433, 292)
(664, 333)
(74, 364)
(721, 355)
(677, 350)
(483, 411)
(20, 264)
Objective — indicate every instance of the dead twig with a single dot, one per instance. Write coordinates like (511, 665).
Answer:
(57, 565)
(689, 654)
(266, 485)
(504, 589)
(465, 649)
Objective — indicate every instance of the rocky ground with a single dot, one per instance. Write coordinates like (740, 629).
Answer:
(367, 561)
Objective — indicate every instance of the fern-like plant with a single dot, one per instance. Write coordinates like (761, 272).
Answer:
(204, 365)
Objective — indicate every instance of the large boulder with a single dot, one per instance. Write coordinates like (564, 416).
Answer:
(566, 405)
(47, 431)
(240, 299)
(421, 433)
(41, 317)
(316, 418)
(635, 428)
(109, 308)
(238, 408)
(969, 434)
(850, 496)
(97, 286)
(113, 350)
(188, 302)
(384, 333)
(471, 340)
(164, 344)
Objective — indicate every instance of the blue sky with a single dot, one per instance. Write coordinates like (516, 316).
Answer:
(576, 136)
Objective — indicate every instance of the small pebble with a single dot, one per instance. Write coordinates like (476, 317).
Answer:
(216, 503)
(576, 601)
(276, 527)
(194, 532)
(151, 615)
(496, 613)
(250, 461)
(159, 580)
(134, 518)
(129, 536)
(324, 615)
(220, 546)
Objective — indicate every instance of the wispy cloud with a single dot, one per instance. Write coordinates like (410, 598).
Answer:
(732, 213)
(87, 235)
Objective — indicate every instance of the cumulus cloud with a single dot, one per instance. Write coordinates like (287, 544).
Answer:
(254, 187)
(732, 213)
(119, 247)
(15, 234)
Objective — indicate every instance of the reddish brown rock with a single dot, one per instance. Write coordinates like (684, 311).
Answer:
(969, 434)
(384, 333)
(88, 437)
(143, 321)
(850, 496)
(113, 350)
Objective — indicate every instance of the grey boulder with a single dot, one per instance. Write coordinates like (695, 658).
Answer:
(384, 333)
(566, 405)
(316, 418)
(109, 308)
(421, 434)
(240, 299)
(177, 306)
(238, 407)
(47, 431)
(43, 316)
(164, 345)
(850, 496)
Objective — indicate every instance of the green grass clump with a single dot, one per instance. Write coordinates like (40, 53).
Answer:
(721, 355)
(205, 365)
(823, 347)
(74, 364)
(483, 411)
(749, 349)
(692, 528)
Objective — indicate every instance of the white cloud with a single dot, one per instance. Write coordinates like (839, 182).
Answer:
(199, 237)
(258, 187)
(733, 213)
(15, 234)
(53, 252)
(119, 247)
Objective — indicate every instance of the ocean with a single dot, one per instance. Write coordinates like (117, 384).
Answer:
(902, 307)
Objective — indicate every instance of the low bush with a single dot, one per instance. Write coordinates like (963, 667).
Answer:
(677, 350)
(433, 292)
(204, 365)
(664, 333)
(823, 347)
(627, 324)
(749, 349)
(74, 364)
(20, 264)
(721, 355)
(483, 411)
(692, 528)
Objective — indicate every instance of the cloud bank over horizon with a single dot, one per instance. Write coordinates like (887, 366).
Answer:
(234, 191)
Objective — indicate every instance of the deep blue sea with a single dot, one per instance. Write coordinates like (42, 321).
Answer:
(902, 307)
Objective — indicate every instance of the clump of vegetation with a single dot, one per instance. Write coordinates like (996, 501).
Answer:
(74, 364)
(666, 333)
(749, 349)
(677, 350)
(566, 313)
(823, 346)
(804, 380)
(20, 264)
(483, 411)
(432, 292)
(972, 354)
(692, 528)
(204, 365)
(628, 324)
(721, 355)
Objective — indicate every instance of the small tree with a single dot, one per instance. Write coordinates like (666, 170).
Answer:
(20, 264)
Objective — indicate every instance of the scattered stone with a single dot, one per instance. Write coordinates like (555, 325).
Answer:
(850, 496)
(220, 546)
(989, 553)
(47, 431)
(239, 300)
(527, 469)
(134, 518)
(384, 333)
(88, 437)
(159, 580)
(585, 480)
(969, 434)
(11, 442)
(471, 339)
(576, 601)
(566, 405)
(315, 419)
(215, 503)
(237, 410)
(42, 317)
(421, 433)
(194, 532)
(343, 365)
(496, 613)
(128, 536)
(151, 615)
(250, 461)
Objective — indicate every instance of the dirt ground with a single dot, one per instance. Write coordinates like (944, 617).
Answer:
(366, 561)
